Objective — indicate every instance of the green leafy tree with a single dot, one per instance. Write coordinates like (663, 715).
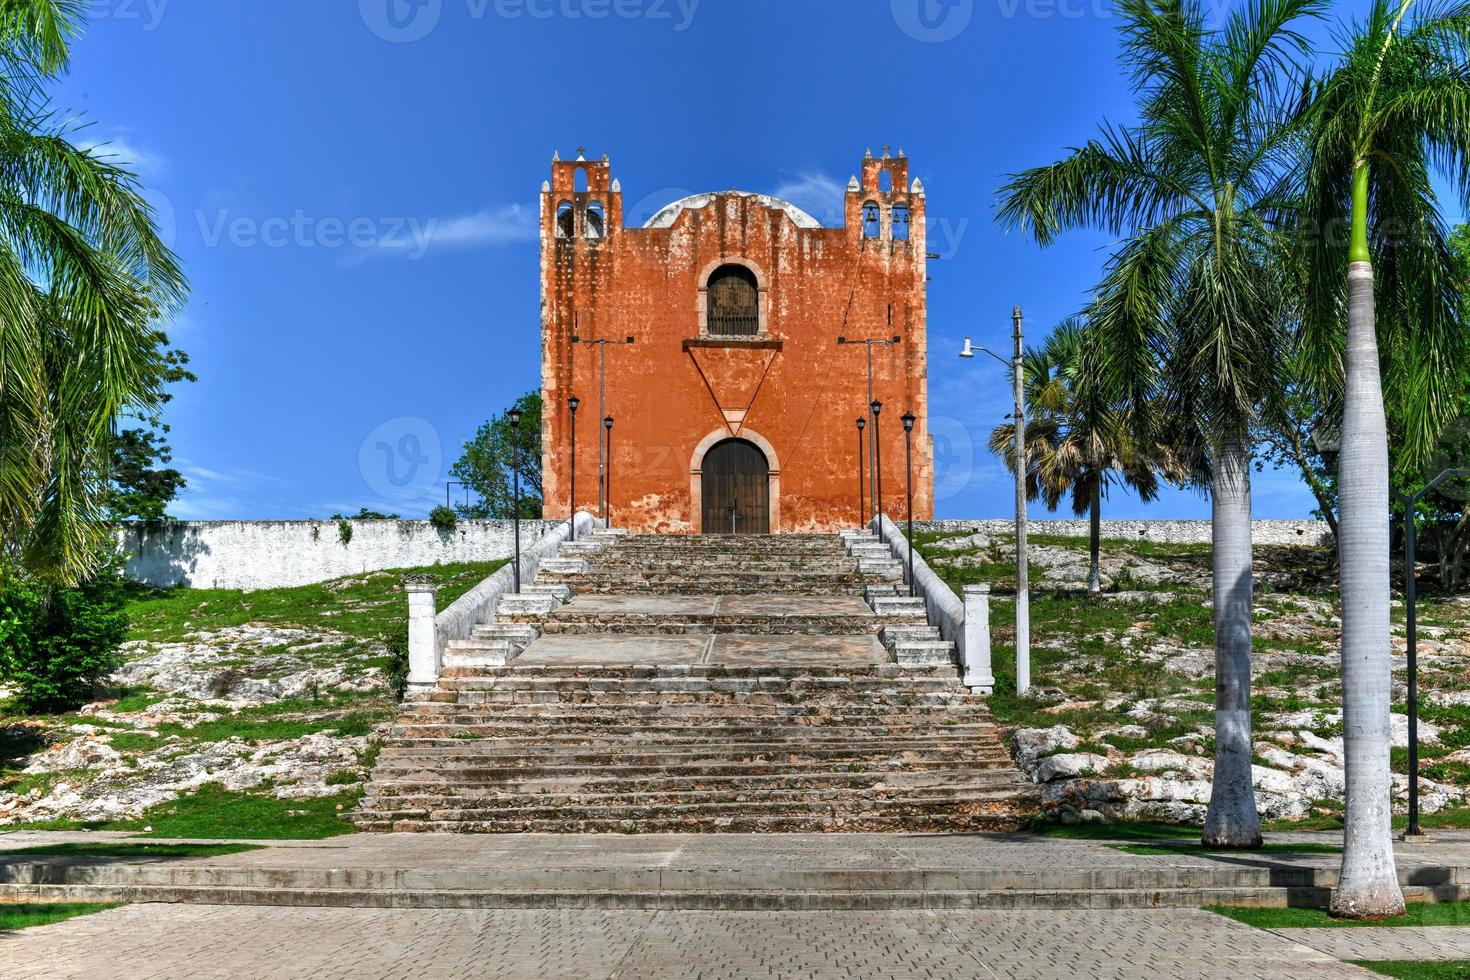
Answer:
(57, 645)
(1078, 444)
(1192, 308)
(142, 485)
(1290, 426)
(1392, 110)
(83, 276)
(486, 465)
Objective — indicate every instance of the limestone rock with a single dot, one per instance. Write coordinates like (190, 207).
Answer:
(1069, 765)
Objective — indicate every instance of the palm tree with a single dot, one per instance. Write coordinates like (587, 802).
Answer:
(1395, 108)
(83, 277)
(1191, 307)
(1078, 444)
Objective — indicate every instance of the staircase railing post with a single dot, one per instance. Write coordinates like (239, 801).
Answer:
(979, 675)
(423, 637)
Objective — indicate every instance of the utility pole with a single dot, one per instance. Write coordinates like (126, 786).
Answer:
(601, 345)
(873, 431)
(1023, 584)
(1023, 568)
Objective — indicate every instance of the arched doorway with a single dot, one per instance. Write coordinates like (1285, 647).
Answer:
(736, 486)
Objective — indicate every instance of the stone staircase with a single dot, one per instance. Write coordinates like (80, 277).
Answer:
(714, 683)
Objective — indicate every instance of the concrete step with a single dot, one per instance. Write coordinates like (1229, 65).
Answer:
(568, 621)
(692, 733)
(563, 566)
(493, 805)
(521, 606)
(658, 781)
(925, 653)
(988, 811)
(560, 591)
(728, 887)
(509, 632)
(462, 654)
(421, 769)
(896, 634)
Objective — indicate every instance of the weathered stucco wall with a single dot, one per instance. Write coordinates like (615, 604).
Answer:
(1173, 532)
(273, 554)
(677, 392)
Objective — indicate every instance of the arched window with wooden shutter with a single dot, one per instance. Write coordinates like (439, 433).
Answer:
(734, 303)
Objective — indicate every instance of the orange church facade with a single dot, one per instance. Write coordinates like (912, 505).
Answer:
(735, 408)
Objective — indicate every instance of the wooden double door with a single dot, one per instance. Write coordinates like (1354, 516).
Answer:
(736, 484)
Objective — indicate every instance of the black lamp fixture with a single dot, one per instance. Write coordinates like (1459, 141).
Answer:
(607, 424)
(572, 404)
(862, 480)
(908, 464)
(515, 464)
(877, 408)
(1327, 440)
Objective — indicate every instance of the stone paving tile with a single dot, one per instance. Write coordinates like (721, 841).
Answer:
(1397, 943)
(152, 941)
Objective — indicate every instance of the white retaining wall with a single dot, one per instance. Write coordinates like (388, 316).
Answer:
(1170, 532)
(276, 554)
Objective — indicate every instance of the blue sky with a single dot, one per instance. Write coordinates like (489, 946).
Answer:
(352, 185)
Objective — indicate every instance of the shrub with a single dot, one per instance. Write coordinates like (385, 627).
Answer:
(344, 532)
(444, 519)
(396, 640)
(58, 645)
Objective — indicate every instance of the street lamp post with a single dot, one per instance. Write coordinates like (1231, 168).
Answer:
(873, 437)
(877, 407)
(1410, 502)
(602, 451)
(908, 466)
(572, 404)
(607, 424)
(1023, 585)
(515, 465)
(862, 480)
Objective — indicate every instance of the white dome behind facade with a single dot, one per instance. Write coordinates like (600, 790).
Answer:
(666, 216)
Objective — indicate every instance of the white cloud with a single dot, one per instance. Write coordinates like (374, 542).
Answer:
(414, 238)
(121, 151)
(492, 226)
(818, 194)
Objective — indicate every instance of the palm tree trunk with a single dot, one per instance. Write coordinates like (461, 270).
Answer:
(1368, 884)
(1094, 534)
(1232, 820)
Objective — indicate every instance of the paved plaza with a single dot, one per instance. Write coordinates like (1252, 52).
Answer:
(158, 941)
(238, 919)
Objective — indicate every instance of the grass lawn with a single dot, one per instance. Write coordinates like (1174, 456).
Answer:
(1409, 970)
(29, 914)
(1418, 914)
(1181, 847)
(366, 606)
(214, 813)
(125, 849)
